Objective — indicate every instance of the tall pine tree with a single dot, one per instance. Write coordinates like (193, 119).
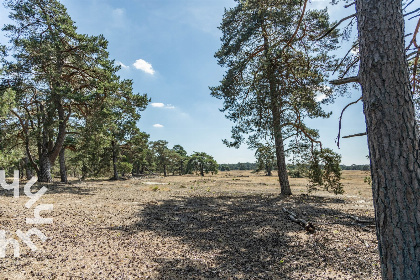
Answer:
(275, 70)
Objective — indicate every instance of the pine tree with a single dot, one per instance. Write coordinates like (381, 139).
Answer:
(275, 69)
(58, 76)
(393, 137)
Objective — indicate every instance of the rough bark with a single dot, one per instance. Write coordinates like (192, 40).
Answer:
(392, 136)
(44, 173)
(63, 169)
(28, 170)
(280, 155)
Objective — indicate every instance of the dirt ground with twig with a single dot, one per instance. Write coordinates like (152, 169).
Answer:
(227, 226)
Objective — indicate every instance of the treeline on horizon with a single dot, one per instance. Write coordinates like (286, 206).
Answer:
(254, 166)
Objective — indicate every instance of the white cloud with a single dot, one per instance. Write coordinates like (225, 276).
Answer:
(158, 125)
(157, 105)
(123, 66)
(145, 66)
(355, 51)
(320, 97)
(161, 105)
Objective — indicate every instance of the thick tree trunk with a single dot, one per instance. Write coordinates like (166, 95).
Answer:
(281, 157)
(392, 136)
(63, 170)
(164, 170)
(44, 169)
(268, 168)
(27, 168)
(44, 172)
(114, 161)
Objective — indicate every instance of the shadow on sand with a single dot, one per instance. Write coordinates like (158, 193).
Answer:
(251, 237)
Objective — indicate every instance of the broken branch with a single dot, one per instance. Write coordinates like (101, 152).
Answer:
(355, 135)
(335, 26)
(354, 79)
(341, 117)
(309, 227)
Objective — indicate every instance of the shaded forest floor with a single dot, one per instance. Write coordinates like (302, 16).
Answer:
(227, 226)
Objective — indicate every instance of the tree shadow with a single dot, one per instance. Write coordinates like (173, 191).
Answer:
(53, 188)
(249, 237)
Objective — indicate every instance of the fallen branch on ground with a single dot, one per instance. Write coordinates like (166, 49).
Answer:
(357, 219)
(309, 227)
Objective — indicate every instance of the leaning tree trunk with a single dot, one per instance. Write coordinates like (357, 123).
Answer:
(275, 111)
(281, 157)
(392, 136)
(63, 170)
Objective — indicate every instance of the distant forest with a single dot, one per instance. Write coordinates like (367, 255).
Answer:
(254, 166)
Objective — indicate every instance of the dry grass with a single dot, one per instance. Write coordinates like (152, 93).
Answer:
(227, 226)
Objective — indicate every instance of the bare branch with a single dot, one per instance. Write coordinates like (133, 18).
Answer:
(355, 135)
(341, 117)
(408, 4)
(354, 79)
(342, 60)
(351, 4)
(412, 12)
(336, 25)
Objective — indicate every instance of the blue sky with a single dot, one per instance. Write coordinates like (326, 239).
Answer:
(167, 48)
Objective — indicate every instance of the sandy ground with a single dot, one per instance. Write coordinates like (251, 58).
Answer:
(227, 226)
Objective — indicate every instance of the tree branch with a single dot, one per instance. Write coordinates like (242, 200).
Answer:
(412, 12)
(335, 26)
(355, 135)
(341, 117)
(298, 25)
(351, 4)
(354, 79)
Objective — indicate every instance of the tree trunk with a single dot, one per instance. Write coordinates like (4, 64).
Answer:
(63, 170)
(27, 168)
(164, 170)
(268, 168)
(44, 172)
(84, 171)
(44, 169)
(281, 157)
(392, 136)
(114, 160)
(201, 170)
(275, 111)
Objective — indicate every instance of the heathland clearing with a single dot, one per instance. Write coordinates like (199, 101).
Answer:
(225, 226)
